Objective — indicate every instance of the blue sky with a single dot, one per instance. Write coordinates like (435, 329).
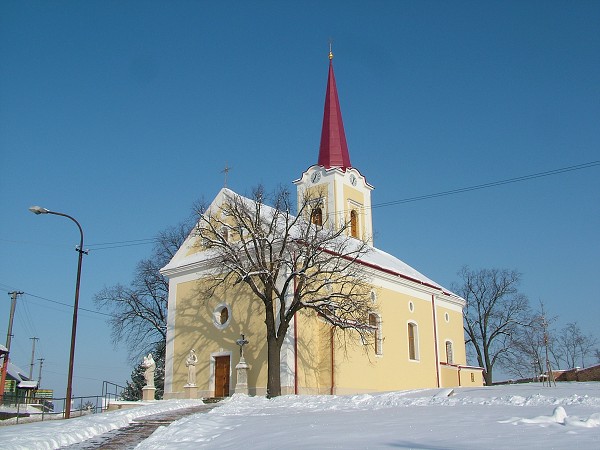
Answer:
(123, 113)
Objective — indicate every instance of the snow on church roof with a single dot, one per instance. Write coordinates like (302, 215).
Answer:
(374, 258)
(333, 154)
(389, 263)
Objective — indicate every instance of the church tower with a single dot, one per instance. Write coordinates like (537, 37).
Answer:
(339, 191)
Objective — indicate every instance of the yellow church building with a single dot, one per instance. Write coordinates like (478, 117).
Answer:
(417, 324)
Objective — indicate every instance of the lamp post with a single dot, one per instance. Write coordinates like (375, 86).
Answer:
(40, 210)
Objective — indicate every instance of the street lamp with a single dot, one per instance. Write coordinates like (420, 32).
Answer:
(40, 210)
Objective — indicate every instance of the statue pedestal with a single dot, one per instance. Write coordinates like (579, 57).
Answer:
(191, 391)
(148, 393)
(241, 387)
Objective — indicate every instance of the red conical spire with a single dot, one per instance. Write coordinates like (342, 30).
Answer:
(333, 151)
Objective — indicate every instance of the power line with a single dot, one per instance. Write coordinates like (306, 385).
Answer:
(93, 247)
(116, 244)
(123, 245)
(119, 244)
(146, 241)
(66, 304)
(490, 184)
(60, 303)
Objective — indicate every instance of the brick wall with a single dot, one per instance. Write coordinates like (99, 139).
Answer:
(589, 374)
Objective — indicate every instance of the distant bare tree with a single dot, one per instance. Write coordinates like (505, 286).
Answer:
(494, 314)
(139, 310)
(597, 355)
(572, 347)
(289, 263)
(526, 356)
(530, 345)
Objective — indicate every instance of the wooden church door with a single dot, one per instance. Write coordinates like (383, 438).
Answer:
(222, 376)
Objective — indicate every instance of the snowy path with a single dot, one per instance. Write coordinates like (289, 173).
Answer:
(63, 433)
(129, 437)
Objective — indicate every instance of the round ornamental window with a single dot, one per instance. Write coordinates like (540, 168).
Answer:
(221, 316)
(224, 316)
(411, 306)
(447, 317)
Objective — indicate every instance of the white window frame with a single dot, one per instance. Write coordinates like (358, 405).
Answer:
(415, 329)
(217, 315)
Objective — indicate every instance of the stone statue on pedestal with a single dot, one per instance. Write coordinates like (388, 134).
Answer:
(150, 366)
(190, 363)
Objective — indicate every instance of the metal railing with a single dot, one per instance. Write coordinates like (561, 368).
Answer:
(111, 391)
(29, 408)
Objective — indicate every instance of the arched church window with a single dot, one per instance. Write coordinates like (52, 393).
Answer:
(413, 342)
(225, 233)
(353, 223)
(449, 355)
(317, 216)
(373, 297)
(375, 323)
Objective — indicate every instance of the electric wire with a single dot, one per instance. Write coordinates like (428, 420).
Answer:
(145, 241)
(547, 173)
(27, 320)
(489, 185)
(118, 244)
(67, 305)
(57, 302)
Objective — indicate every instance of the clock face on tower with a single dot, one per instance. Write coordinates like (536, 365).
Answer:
(315, 177)
(353, 180)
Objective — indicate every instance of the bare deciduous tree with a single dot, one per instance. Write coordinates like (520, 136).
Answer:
(572, 348)
(526, 356)
(288, 263)
(531, 346)
(494, 313)
(139, 310)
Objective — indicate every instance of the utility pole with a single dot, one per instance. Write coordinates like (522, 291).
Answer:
(41, 360)
(32, 356)
(13, 305)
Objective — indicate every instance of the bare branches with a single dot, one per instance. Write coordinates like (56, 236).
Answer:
(571, 347)
(139, 311)
(537, 347)
(289, 262)
(494, 313)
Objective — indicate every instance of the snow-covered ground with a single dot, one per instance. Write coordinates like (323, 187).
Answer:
(514, 416)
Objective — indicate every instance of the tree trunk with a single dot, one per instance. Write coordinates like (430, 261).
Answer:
(273, 368)
(488, 364)
(487, 375)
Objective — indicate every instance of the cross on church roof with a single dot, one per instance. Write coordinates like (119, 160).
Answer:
(226, 170)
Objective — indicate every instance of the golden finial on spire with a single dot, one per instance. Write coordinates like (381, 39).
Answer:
(330, 52)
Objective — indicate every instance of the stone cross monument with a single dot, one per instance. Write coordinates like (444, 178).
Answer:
(241, 387)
